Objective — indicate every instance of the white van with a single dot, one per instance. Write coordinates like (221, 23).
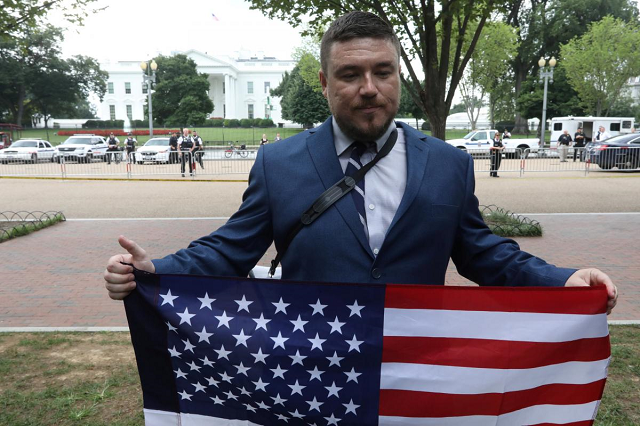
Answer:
(613, 125)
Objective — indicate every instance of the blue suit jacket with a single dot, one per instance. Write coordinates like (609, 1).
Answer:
(437, 220)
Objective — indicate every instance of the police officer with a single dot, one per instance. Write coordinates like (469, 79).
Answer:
(112, 148)
(173, 148)
(564, 142)
(185, 145)
(579, 140)
(496, 155)
(130, 146)
(198, 148)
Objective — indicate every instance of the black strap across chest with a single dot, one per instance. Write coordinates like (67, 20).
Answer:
(330, 197)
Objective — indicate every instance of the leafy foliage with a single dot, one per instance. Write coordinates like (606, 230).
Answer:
(181, 93)
(429, 33)
(301, 102)
(36, 79)
(600, 62)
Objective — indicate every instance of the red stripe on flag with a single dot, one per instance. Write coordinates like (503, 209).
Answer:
(560, 300)
(484, 353)
(399, 403)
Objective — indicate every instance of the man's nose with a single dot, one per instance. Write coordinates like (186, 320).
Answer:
(368, 88)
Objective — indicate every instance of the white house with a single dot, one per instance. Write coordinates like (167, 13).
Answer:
(239, 87)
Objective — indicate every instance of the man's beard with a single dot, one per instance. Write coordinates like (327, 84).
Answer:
(370, 133)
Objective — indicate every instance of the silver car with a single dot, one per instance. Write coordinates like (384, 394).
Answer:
(28, 150)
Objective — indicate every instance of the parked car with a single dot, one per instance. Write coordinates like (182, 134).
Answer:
(28, 150)
(156, 150)
(478, 142)
(82, 148)
(622, 151)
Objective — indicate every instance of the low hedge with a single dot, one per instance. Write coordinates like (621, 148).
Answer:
(117, 132)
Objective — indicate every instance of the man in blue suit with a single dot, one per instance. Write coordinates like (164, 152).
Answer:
(414, 210)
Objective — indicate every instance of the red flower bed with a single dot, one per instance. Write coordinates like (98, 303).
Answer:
(102, 132)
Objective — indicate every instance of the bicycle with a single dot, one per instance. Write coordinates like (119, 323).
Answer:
(232, 150)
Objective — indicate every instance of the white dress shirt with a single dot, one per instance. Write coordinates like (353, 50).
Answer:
(384, 183)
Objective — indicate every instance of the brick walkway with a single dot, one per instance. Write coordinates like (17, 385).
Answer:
(53, 278)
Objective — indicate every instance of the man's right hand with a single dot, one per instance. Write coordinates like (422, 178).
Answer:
(119, 277)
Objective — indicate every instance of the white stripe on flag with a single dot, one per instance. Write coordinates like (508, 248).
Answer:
(467, 380)
(167, 418)
(557, 414)
(514, 326)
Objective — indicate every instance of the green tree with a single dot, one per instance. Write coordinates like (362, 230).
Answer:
(181, 93)
(599, 63)
(301, 103)
(428, 31)
(17, 15)
(546, 24)
(487, 68)
(562, 100)
(34, 77)
(408, 108)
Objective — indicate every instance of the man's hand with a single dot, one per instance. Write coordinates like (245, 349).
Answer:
(591, 277)
(119, 277)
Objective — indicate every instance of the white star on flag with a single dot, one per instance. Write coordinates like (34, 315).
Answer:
(318, 308)
(296, 414)
(194, 366)
(351, 407)
(335, 359)
(180, 374)
(279, 340)
(206, 302)
(185, 316)
(217, 400)
(213, 382)
(316, 342)
(188, 346)
(171, 328)
(297, 358)
(261, 322)
(296, 388)
(174, 353)
(185, 395)
(199, 387)
(223, 319)
(242, 369)
(352, 375)
(222, 353)
(278, 372)
(203, 335)
(260, 357)
(355, 309)
(298, 324)
(230, 395)
(314, 405)
(241, 339)
(243, 304)
(333, 390)
(281, 306)
(260, 385)
(278, 400)
(336, 326)
(332, 420)
(354, 345)
(315, 374)
(225, 377)
(168, 298)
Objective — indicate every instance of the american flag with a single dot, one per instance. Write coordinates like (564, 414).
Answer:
(269, 352)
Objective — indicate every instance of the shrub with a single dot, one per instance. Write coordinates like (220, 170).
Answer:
(265, 122)
(103, 124)
(426, 125)
(232, 123)
(215, 122)
(246, 123)
(500, 125)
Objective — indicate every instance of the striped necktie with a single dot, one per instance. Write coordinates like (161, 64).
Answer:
(353, 166)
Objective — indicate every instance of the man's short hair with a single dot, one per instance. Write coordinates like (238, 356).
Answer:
(356, 24)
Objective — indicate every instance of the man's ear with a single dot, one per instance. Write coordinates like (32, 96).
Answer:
(323, 82)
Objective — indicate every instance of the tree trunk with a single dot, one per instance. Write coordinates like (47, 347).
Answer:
(438, 125)
(521, 125)
(20, 105)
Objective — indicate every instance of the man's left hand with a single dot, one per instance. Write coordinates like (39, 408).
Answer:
(591, 277)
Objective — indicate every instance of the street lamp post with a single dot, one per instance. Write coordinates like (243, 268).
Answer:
(546, 75)
(149, 77)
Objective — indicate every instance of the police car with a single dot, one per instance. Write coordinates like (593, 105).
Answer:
(82, 148)
(156, 150)
(28, 150)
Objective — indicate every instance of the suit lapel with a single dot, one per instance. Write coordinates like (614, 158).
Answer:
(322, 150)
(417, 156)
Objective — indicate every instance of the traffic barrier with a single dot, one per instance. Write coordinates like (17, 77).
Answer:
(218, 163)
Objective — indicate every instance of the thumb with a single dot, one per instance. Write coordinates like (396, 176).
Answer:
(134, 249)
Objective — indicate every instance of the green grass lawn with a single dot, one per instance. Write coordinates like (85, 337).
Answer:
(67, 379)
(223, 136)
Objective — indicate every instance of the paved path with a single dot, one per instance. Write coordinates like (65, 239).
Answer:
(52, 278)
